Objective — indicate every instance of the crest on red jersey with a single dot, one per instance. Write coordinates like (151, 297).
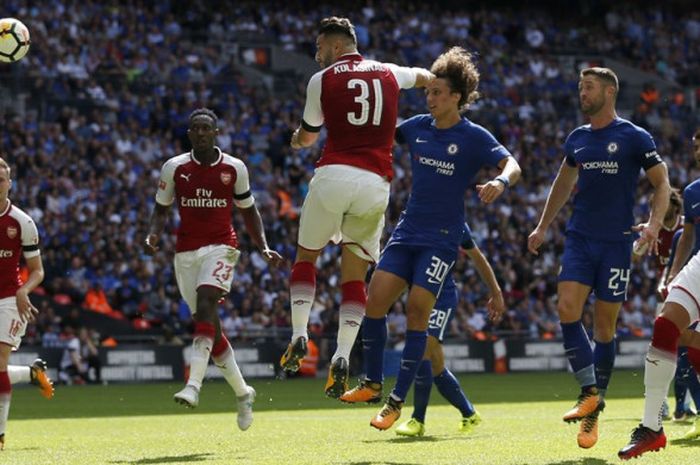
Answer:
(11, 232)
(226, 177)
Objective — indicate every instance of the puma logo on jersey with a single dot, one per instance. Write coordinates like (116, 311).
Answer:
(186, 177)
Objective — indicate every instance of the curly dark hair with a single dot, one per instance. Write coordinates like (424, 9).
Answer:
(205, 112)
(457, 67)
(338, 25)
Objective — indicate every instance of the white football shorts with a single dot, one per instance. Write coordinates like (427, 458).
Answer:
(11, 327)
(344, 205)
(212, 265)
(685, 288)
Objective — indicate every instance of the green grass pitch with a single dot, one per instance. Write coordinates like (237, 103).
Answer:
(296, 424)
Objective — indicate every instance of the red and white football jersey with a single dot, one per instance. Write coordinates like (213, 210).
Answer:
(665, 243)
(357, 100)
(204, 194)
(18, 235)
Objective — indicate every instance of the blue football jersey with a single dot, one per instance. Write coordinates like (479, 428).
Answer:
(444, 163)
(608, 160)
(691, 207)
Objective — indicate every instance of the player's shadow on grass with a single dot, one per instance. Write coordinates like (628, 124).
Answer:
(378, 463)
(166, 459)
(407, 439)
(685, 442)
(583, 461)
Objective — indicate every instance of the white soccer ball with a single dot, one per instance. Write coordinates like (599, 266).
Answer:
(14, 40)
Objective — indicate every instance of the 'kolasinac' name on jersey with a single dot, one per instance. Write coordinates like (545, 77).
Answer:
(18, 234)
(204, 196)
(357, 100)
(443, 164)
(608, 160)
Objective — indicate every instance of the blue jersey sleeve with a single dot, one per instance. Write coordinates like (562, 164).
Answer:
(467, 240)
(492, 151)
(406, 128)
(568, 153)
(674, 245)
(689, 205)
(647, 150)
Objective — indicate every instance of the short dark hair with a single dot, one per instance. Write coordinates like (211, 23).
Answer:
(697, 134)
(204, 112)
(338, 25)
(606, 75)
(457, 67)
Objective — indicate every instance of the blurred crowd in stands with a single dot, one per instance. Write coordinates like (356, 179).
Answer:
(110, 86)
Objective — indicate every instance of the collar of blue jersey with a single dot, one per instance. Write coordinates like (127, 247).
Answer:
(615, 121)
(462, 119)
(218, 160)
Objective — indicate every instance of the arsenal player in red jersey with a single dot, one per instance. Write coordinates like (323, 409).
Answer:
(206, 183)
(18, 236)
(357, 100)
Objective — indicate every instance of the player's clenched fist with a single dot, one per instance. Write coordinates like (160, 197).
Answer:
(535, 240)
(150, 245)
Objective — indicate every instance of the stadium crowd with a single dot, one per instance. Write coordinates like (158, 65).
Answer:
(110, 89)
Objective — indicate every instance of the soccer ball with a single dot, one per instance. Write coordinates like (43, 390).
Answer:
(14, 39)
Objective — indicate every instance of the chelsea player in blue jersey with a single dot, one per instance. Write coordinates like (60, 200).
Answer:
(602, 160)
(432, 369)
(689, 242)
(447, 151)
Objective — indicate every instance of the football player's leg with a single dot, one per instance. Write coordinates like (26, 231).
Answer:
(604, 326)
(572, 296)
(361, 231)
(352, 310)
(448, 386)
(420, 302)
(385, 287)
(34, 374)
(680, 383)
(659, 368)
(691, 337)
(5, 389)
(319, 223)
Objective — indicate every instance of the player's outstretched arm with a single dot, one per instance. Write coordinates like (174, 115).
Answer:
(558, 195)
(683, 249)
(254, 226)
(155, 228)
(496, 304)
(26, 309)
(649, 231)
(423, 77)
(510, 173)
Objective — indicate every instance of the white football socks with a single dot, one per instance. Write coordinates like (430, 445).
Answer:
(226, 362)
(19, 374)
(199, 360)
(349, 321)
(659, 369)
